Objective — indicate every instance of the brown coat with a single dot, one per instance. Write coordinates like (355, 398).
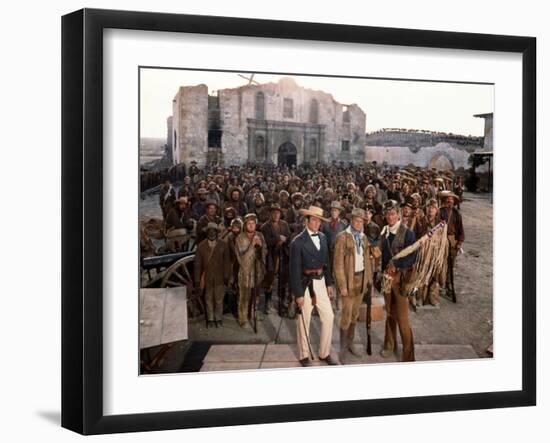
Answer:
(344, 263)
(251, 260)
(218, 269)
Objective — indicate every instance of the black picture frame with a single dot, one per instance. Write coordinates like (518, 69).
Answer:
(82, 231)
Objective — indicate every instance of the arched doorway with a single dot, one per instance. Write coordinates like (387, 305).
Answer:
(287, 154)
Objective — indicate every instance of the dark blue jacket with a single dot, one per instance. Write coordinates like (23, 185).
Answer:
(304, 255)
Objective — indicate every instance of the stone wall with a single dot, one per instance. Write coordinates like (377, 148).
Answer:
(317, 136)
(190, 124)
(442, 156)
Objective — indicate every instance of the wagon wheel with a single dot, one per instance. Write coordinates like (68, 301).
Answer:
(181, 274)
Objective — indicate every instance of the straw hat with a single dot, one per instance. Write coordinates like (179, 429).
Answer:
(250, 216)
(443, 195)
(313, 211)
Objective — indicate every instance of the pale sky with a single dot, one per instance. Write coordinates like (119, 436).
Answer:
(447, 107)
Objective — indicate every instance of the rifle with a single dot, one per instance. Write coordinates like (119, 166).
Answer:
(369, 319)
(452, 277)
(254, 317)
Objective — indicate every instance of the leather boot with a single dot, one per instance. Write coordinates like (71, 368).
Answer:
(355, 350)
(267, 303)
(343, 344)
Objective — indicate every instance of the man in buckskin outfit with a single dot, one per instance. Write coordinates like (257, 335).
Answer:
(395, 237)
(251, 251)
(311, 284)
(353, 275)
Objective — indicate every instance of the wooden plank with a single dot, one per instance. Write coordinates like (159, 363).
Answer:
(150, 317)
(174, 327)
(162, 316)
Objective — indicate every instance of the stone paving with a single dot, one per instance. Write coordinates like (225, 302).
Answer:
(454, 331)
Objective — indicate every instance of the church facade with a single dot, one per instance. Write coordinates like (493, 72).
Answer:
(278, 123)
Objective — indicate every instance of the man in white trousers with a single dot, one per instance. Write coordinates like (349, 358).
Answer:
(311, 284)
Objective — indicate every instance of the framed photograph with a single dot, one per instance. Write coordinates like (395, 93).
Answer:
(269, 221)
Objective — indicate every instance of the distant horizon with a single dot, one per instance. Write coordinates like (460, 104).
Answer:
(415, 105)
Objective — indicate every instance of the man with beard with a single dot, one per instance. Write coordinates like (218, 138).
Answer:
(251, 253)
(167, 197)
(229, 214)
(394, 238)
(293, 215)
(393, 193)
(179, 217)
(353, 275)
(185, 189)
(284, 202)
(211, 216)
(234, 230)
(235, 200)
(311, 285)
(261, 209)
(277, 237)
(199, 207)
(455, 232)
(211, 267)
(430, 292)
(370, 199)
(213, 192)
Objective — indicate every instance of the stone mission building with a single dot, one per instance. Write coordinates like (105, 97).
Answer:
(279, 123)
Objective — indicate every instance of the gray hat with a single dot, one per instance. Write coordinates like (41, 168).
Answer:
(211, 225)
(358, 212)
(336, 205)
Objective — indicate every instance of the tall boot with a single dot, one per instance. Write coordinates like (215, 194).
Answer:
(355, 350)
(343, 345)
(267, 302)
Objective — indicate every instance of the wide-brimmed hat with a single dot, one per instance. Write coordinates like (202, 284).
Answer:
(409, 201)
(212, 202)
(358, 212)
(283, 192)
(211, 225)
(237, 221)
(276, 207)
(370, 187)
(313, 211)
(390, 204)
(249, 216)
(297, 195)
(230, 209)
(182, 200)
(336, 205)
(202, 191)
(445, 194)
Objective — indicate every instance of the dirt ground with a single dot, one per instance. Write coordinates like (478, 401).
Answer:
(468, 322)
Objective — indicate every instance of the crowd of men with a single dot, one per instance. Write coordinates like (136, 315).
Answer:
(321, 236)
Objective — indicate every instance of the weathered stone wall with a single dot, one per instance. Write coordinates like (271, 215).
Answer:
(440, 156)
(190, 124)
(488, 135)
(416, 139)
(317, 139)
